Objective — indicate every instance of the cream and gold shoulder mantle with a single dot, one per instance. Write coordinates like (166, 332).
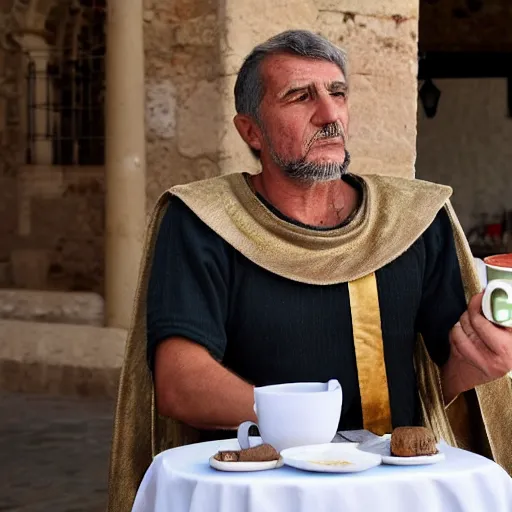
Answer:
(393, 214)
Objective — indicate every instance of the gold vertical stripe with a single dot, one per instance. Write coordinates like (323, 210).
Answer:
(369, 347)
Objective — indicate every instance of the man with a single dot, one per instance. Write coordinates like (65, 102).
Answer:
(305, 272)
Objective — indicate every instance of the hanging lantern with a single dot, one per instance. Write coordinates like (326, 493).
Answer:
(429, 95)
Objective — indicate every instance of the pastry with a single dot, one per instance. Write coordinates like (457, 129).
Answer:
(261, 453)
(227, 456)
(412, 442)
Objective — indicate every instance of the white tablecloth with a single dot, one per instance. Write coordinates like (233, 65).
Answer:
(180, 480)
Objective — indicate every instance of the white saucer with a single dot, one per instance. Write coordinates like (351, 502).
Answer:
(414, 461)
(244, 466)
(330, 458)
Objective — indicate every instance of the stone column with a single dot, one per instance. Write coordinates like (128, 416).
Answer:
(38, 50)
(381, 39)
(125, 158)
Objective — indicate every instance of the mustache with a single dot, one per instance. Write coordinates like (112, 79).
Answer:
(329, 131)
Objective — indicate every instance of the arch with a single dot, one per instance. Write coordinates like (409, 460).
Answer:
(64, 45)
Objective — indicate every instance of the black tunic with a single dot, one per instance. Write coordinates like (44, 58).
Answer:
(269, 330)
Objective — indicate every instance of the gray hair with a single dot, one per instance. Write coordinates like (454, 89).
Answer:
(249, 88)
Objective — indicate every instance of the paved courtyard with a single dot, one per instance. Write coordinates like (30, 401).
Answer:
(54, 453)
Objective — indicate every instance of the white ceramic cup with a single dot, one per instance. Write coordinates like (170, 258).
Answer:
(296, 414)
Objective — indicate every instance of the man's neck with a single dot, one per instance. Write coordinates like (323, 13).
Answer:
(324, 204)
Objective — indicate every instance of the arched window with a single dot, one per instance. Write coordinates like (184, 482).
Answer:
(65, 84)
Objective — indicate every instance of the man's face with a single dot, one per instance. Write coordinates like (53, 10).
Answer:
(304, 117)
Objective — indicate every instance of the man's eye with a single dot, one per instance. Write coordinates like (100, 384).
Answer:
(342, 94)
(302, 97)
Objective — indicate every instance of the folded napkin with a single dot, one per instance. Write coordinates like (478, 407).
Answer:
(368, 441)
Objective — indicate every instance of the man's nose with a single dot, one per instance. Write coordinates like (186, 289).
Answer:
(327, 111)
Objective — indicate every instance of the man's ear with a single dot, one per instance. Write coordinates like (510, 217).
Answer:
(248, 130)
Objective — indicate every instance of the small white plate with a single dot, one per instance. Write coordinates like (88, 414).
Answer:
(330, 458)
(414, 461)
(244, 466)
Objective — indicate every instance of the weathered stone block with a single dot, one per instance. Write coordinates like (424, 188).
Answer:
(160, 109)
(183, 66)
(383, 8)
(184, 9)
(382, 132)
(58, 358)
(30, 268)
(199, 121)
(159, 37)
(246, 26)
(8, 207)
(52, 307)
(202, 31)
(171, 168)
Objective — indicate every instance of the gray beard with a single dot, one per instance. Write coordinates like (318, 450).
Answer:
(313, 172)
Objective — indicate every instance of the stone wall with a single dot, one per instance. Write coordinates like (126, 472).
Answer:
(60, 359)
(77, 308)
(182, 92)
(195, 47)
(51, 226)
(53, 220)
(381, 40)
(468, 145)
(53, 229)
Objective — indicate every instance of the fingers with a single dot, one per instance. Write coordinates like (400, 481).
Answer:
(475, 354)
(475, 304)
(473, 335)
(481, 344)
(467, 327)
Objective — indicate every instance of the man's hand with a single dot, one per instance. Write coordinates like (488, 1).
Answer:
(480, 352)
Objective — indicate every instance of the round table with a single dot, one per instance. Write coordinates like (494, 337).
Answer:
(181, 480)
